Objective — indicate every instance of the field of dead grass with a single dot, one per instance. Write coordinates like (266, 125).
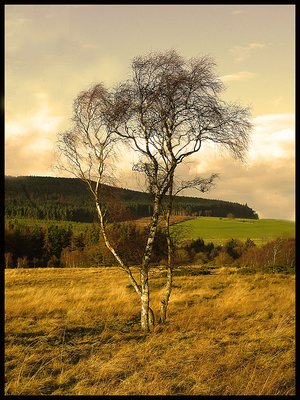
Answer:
(76, 332)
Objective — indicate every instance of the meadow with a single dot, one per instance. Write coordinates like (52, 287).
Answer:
(219, 230)
(76, 332)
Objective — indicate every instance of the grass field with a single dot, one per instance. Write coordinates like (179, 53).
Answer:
(76, 332)
(218, 230)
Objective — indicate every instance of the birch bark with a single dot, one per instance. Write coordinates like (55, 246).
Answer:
(147, 315)
(168, 288)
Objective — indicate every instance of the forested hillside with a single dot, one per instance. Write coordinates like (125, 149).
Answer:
(67, 199)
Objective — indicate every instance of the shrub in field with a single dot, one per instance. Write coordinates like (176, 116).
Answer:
(275, 256)
(234, 248)
(280, 255)
(197, 245)
(249, 244)
(250, 258)
(223, 258)
(181, 256)
(201, 252)
(201, 258)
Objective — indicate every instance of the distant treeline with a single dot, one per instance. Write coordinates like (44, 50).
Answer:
(59, 246)
(67, 199)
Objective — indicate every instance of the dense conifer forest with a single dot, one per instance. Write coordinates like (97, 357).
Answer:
(67, 199)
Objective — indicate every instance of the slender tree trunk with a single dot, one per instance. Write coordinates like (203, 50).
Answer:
(152, 233)
(145, 299)
(147, 315)
(168, 288)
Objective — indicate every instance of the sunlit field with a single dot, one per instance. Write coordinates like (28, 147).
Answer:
(218, 230)
(76, 332)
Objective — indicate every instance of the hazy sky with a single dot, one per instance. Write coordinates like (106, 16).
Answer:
(52, 52)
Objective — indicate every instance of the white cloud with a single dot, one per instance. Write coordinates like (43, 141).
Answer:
(242, 53)
(238, 76)
(41, 121)
(29, 141)
(273, 137)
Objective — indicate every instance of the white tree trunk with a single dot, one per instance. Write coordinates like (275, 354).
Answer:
(165, 301)
(145, 299)
(147, 315)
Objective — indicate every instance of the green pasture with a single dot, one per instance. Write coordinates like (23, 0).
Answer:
(219, 230)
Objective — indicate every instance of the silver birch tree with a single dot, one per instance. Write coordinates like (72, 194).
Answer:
(166, 111)
(170, 107)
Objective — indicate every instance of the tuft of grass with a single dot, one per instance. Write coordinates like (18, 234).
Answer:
(76, 332)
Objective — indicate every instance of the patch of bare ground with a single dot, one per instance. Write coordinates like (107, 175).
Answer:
(76, 332)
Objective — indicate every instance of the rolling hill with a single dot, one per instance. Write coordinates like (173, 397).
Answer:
(67, 199)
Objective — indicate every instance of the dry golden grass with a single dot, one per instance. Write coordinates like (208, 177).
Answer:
(76, 332)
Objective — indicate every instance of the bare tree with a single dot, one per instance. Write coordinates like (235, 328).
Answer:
(166, 111)
(170, 107)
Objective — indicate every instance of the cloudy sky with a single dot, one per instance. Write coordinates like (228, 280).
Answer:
(52, 52)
